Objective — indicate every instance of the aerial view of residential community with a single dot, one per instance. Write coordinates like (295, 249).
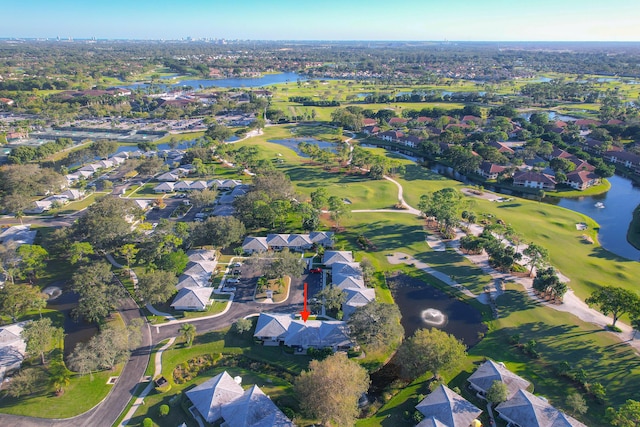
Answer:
(257, 214)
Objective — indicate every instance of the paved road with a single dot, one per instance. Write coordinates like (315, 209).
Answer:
(105, 414)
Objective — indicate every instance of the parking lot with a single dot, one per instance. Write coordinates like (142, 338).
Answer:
(245, 277)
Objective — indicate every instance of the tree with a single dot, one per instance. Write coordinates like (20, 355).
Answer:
(376, 325)
(32, 261)
(497, 393)
(576, 403)
(79, 252)
(202, 198)
(16, 300)
(163, 411)
(628, 415)
(103, 148)
(174, 261)
(9, 260)
(537, 256)
(330, 389)
(150, 166)
(40, 335)
(188, 332)
(242, 325)
(617, 301)
(25, 382)
(99, 294)
(332, 297)
(105, 224)
(129, 252)
(319, 198)
(286, 263)
(157, 286)
(59, 376)
(430, 350)
(219, 231)
(338, 209)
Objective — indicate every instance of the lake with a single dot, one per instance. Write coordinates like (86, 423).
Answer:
(425, 306)
(619, 204)
(266, 80)
(292, 143)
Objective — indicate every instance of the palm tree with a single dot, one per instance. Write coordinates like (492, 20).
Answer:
(59, 376)
(188, 331)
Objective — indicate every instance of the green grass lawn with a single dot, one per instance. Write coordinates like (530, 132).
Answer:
(561, 338)
(77, 205)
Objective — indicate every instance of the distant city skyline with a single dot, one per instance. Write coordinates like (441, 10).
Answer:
(455, 20)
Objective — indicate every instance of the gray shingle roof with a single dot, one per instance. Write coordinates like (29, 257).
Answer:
(491, 371)
(526, 409)
(448, 407)
(209, 396)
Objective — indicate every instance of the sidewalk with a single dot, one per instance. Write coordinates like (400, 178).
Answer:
(156, 373)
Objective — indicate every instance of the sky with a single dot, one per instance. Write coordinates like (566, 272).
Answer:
(421, 20)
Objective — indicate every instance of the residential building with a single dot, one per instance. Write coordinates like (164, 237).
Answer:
(448, 408)
(532, 179)
(192, 299)
(12, 348)
(482, 379)
(527, 410)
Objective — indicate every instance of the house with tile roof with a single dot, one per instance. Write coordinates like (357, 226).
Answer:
(192, 299)
(448, 408)
(274, 329)
(524, 409)
(490, 170)
(582, 179)
(482, 379)
(532, 179)
(12, 348)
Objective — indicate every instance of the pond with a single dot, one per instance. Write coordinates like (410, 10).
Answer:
(266, 80)
(614, 218)
(292, 143)
(552, 116)
(75, 332)
(424, 306)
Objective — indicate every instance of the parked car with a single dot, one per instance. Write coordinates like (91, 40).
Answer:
(236, 264)
(236, 272)
(315, 270)
(232, 280)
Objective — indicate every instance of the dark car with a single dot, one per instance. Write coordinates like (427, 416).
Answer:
(315, 270)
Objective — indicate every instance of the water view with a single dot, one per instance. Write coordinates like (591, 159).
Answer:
(424, 306)
(266, 80)
(614, 215)
(292, 143)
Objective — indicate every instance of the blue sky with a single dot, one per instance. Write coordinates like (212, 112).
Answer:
(490, 20)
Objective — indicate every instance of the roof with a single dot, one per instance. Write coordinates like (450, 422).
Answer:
(192, 297)
(582, 176)
(201, 255)
(209, 396)
(20, 234)
(164, 186)
(331, 257)
(448, 407)
(490, 168)
(357, 298)
(529, 410)
(297, 333)
(322, 237)
(431, 422)
(190, 282)
(254, 409)
(255, 244)
(491, 371)
(272, 325)
(534, 177)
(12, 347)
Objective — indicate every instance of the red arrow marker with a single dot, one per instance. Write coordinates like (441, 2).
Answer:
(305, 312)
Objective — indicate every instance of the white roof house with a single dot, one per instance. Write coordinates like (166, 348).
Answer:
(73, 194)
(185, 281)
(196, 255)
(255, 244)
(331, 257)
(275, 328)
(448, 408)
(524, 409)
(12, 348)
(168, 177)
(193, 299)
(182, 186)
(222, 398)
(198, 185)
(323, 238)
(209, 396)
(491, 371)
(357, 298)
(164, 187)
(20, 234)
(254, 409)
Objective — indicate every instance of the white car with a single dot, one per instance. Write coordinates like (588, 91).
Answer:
(236, 264)
(232, 280)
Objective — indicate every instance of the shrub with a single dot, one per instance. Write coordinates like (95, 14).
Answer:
(147, 422)
(164, 410)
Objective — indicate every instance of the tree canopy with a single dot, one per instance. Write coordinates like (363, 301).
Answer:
(330, 389)
(430, 350)
(376, 325)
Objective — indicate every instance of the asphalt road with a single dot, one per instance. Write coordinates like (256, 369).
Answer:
(106, 413)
